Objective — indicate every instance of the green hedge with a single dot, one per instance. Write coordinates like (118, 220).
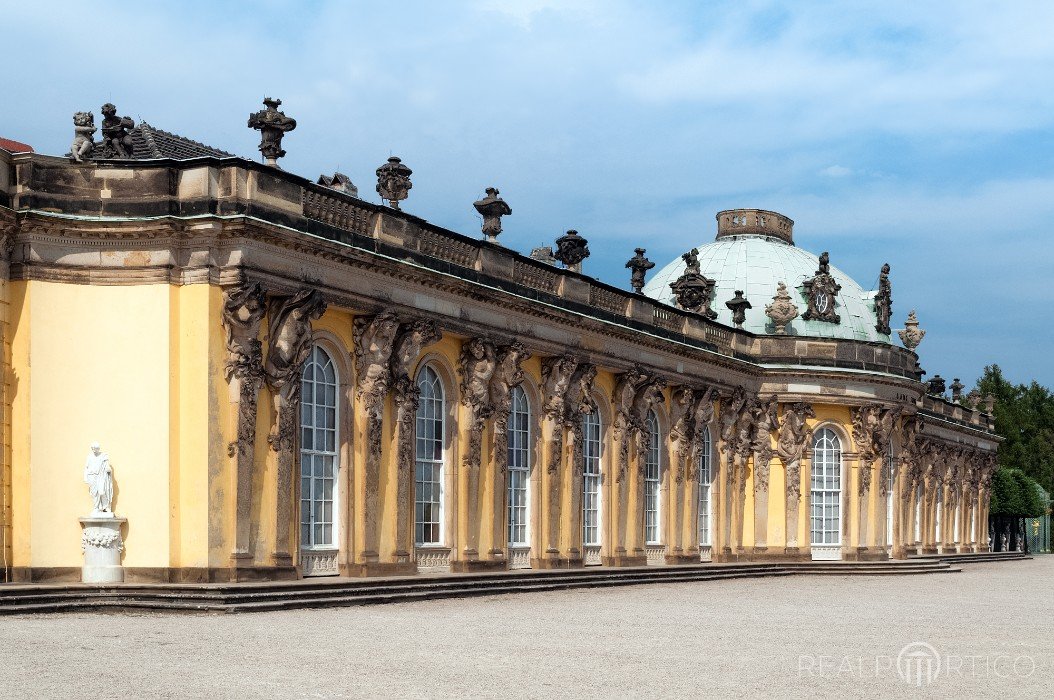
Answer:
(1013, 493)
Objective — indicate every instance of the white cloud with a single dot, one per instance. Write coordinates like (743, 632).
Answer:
(836, 171)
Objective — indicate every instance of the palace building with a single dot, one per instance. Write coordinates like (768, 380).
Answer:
(289, 381)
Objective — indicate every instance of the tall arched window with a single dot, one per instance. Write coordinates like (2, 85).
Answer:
(652, 531)
(431, 439)
(318, 451)
(519, 467)
(826, 495)
(591, 479)
(705, 476)
(939, 503)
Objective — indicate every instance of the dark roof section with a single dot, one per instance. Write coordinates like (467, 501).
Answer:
(12, 146)
(150, 142)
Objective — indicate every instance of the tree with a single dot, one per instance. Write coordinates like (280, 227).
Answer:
(1024, 417)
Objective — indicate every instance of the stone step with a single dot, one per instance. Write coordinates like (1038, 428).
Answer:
(248, 597)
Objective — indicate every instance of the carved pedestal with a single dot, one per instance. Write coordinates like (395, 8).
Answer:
(102, 545)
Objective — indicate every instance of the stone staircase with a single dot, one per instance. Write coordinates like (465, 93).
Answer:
(339, 592)
(976, 558)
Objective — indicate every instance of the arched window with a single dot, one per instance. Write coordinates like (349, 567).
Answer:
(591, 479)
(431, 444)
(939, 503)
(519, 467)
(652, 531)
(705, 476)
(319, 443)
(826, 496)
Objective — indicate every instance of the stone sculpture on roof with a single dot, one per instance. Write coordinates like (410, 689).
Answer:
(692, 290)
(272, 126)
(492, 208)
(393, 181)
(116, 141)
(638, 266)
(820, 293)
(884, 302)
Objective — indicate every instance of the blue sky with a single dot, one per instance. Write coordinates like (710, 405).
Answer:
(919, 134)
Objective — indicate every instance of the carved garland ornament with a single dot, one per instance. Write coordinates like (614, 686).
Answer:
(794, 435)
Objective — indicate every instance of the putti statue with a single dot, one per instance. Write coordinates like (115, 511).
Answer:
(571, 250)
(692, 289)
(884, 301)
(912, 335)
(638, 266)
(393, 181)
(492, 208)
(116, 141)
(83, 130)
(782, 310)
(738, 305)
(272, 126)
(820, 292)
(98, 475)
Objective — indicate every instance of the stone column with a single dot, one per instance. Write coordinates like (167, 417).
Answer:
(289, 347)
(791, 442)
(374, 340)
(865, 472)
(556, 379)
(476, 364)
(243, 309)
(764, 420)
(578, 403)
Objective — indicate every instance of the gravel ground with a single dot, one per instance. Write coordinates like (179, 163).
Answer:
(799, 636)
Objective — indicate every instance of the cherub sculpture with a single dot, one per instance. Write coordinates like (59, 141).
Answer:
(83, 129)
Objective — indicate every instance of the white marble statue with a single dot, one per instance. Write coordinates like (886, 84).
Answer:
(98, 475)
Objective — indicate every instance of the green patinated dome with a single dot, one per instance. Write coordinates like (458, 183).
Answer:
(754, 252)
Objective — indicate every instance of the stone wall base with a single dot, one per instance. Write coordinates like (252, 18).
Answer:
(476, 565)
(377, 568)
(557, 563)
(160, 574)
(673, 559)
(623, 560)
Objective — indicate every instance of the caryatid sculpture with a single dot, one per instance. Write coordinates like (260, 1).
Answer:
(98, 475)
(116, 141)
(492, 208)
(272, 125)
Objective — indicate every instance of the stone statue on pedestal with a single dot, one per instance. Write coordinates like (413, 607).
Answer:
(98, 475)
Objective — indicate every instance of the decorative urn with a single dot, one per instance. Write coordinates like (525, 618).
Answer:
(571, 250)
(393, 181)
(782, 310)
(272, 126)
(492, 208)
(912, 335)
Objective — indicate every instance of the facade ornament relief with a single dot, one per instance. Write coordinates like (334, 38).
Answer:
(638, 266)
(820, 293)
(393, 181)
(83, 136)
(648, 396)
(492, 207)
(273, 126)
(116, 141)
(692, 290)
(782, 310)
(912, 335)
(702, 416)
(571, 250)
(579, 402)
(98, 475)
(884, 302)
(738, 305)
